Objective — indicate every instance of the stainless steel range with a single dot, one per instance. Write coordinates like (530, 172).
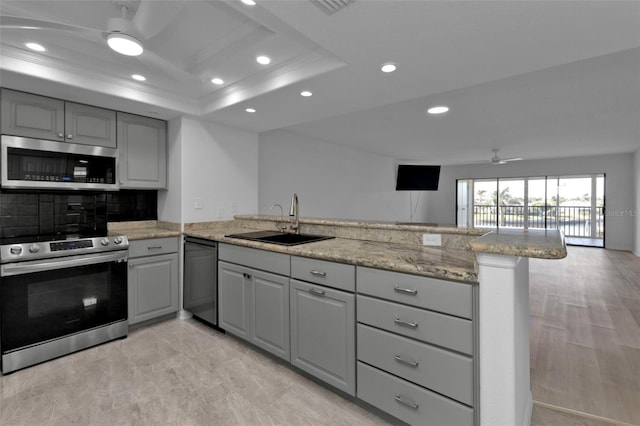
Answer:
(63, 280)
(60, 294)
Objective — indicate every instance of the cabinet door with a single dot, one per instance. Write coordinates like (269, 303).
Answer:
(323, 333)
(90, 125)
(153, 287)
(200, 281)
(270, 319)
(142, 143)
(234, 286)
(32, 116)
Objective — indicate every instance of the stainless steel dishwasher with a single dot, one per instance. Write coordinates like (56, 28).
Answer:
(201, 279)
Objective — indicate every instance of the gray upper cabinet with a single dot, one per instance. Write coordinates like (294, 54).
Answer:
(142, 143)
(89, 125)
(32, 116)
(40, 117)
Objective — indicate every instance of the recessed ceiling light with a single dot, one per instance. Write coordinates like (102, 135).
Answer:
(440, 109)
(125, 44)
(138, 77)
(389, 67)
(217, 80)
(306, 93)
(249, 2)
(35, 46)
(264, 60)
(251, 110)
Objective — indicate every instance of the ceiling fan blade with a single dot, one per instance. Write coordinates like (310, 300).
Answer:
(17, 22)
(155, 61)
(505, 160)
(154, 15)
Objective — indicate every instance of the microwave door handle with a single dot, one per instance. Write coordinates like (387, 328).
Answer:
(39, 266)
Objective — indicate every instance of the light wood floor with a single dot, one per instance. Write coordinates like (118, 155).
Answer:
(585, 333)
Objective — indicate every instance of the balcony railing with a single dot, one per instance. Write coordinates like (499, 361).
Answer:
(573, 221)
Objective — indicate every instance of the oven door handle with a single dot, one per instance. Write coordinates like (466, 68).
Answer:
(67, 262)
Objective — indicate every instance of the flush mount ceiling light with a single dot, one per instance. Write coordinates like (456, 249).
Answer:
(217, 80)
(263, 60)
(138, 77)
(388, 67)
(249, 2)
(306, 93)
(35, 46)
(250, 110)
(125, 44)
(440, 109)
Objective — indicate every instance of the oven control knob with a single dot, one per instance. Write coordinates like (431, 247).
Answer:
(15, 250)
(104, 241)
(34, 248)
(117, 240)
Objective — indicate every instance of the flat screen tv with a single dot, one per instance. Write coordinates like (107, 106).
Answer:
(412, 177)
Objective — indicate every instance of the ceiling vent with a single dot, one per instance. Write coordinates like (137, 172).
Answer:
(331, 6)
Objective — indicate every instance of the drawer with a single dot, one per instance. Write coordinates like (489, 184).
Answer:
(445, 372)
(408, 402)
(153, 246)
(265, 260)
(431, 327)
(331, 274)
(431, 293)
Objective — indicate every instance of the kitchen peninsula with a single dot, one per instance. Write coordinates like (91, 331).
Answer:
(488, 267)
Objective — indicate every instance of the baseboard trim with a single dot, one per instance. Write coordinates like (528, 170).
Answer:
(581, 414)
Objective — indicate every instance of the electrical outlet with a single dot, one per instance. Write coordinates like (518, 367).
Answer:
(431, 240)
(197, 202)
(220, 212)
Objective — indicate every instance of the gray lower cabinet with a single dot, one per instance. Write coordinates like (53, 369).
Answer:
(254, 305)
(142, 143)
(323, 334)
(153, 283)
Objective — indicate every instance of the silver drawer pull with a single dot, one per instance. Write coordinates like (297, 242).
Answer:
(154, 247)
(405, 290)
(405, 323)
(408, 403)
(406, 361)
(317, 273)
(318, 292)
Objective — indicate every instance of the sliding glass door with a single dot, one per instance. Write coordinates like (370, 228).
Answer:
(573, 204)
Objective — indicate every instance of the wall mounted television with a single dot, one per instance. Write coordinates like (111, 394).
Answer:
(413, 177)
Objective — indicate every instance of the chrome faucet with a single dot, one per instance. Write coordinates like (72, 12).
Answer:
(281, 226)
(294, 211)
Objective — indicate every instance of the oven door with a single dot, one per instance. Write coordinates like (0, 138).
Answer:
(53, 298)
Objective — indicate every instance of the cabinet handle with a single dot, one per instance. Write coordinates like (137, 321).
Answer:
(317, 292)
(60, 135)
(246, 276)
(410, 291)
(405, 323)
(406, 361)
(69, 136)
(154, 247)
(408, 403)
(318, 273)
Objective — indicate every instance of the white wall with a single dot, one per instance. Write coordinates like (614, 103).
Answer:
(331, 181)
(636, 168)
(619, 190)
(214, 163)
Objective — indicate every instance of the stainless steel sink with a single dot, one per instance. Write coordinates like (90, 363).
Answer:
(280, 238)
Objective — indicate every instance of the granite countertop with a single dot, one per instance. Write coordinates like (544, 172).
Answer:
(143, 230)
(437, 262)
(542, 244)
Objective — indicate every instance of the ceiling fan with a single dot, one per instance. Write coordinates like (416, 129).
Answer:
(495, 160)
(139, 21)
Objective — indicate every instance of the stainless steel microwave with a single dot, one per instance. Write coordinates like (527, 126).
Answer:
(32, 163)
